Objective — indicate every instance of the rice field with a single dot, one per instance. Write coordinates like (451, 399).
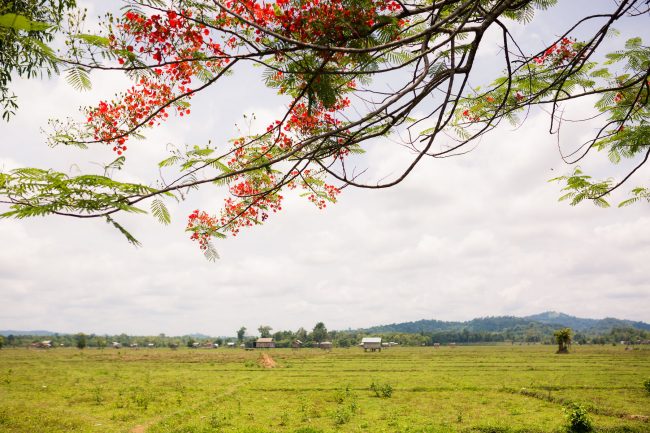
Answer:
(399, 390)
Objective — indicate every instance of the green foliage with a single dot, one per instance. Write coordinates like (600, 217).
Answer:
(210, 391)
(241, 332)
(577, 419)
(81, 340)
(646, 384)
(265, 331)
(382, 390)
(78, 78)
(319, 333)
(26, 27)
(159, 210)
(563, 339)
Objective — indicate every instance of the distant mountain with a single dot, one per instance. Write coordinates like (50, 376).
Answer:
(580, 324)
(34, 333)
(199, 336)
(543, 321)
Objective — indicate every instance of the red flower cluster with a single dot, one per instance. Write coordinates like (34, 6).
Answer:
(558, 53)
(203, 227)
(471, 117)
(111, 122)
(314, 21)
(171, 39)
(250, 206)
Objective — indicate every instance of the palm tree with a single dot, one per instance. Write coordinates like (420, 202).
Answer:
(563, 339)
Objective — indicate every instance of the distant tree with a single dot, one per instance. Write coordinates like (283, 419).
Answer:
(2, 341)
(265, 331)
(11, 340)
(563, 339)
(80, 338)
(240, 334)
(319, 333)
(101, 343)
(301, 334)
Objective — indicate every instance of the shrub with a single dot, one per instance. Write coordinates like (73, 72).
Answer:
(384, 390)
(342, 415)
(578, 420)
(646, 384)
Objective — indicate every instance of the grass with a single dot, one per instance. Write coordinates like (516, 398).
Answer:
(498, 389)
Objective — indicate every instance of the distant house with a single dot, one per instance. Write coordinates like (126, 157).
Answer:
(151, 345)
(296, 344)
(371, 343)
(325, 345)
(116, 345)
(436, 345)
(230, 345)
(45, 344)
(264, 343)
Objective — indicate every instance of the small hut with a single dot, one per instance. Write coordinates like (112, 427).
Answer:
(230, 345)
(264, 343)
(371, 343)
(325, 345)
(296, 344)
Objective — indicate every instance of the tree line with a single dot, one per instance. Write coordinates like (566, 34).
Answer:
(541, 334)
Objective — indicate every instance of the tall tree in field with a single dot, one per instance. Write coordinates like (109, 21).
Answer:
(265, 331)
(241, 332)
(563, 339)
(80, 340)
(319, 333)
(331, 60)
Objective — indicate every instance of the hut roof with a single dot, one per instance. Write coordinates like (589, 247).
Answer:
(371, 340)
(265, 340)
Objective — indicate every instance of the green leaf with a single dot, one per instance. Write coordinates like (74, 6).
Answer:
(129, 237)
(79, 79)
(20, 22)
(96, 40)
(169, 161)
(159, 210)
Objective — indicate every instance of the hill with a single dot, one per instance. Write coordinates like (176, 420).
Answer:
(545, 322)
(39, 333)
(580, 324)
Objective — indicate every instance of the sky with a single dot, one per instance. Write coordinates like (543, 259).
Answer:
(478, 235)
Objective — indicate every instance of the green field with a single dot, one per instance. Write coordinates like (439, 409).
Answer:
(461, 389)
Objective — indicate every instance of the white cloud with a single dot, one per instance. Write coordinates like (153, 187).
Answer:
(481, 234)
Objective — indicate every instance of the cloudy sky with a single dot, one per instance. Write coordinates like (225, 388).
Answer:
(482, 234)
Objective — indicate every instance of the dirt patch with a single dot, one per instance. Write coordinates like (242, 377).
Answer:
(139, 429)
(266, 361)
(638, 417)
